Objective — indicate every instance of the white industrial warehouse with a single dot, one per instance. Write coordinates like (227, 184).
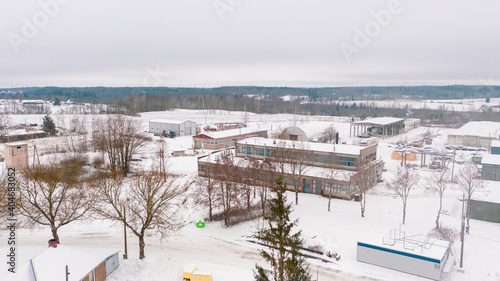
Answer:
(164, 126)
(476, 134)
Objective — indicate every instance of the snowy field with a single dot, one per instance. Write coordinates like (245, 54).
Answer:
(226, 252)
(448, 105)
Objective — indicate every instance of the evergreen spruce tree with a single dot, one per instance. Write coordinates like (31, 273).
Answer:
(57, 102)
(48, 126)
(283, 254)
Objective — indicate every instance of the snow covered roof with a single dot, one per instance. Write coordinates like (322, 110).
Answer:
(495, 143)
(234, 132)
(170, 121)
(407, 244)
(51, 264)
(313, 129)
(490, 159)
(380, 121)
(479, 128)
(313, 146)
(16, 143)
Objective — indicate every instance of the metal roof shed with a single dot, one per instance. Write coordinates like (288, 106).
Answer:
(181, 128)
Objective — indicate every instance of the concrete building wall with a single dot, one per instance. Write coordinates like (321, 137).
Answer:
(16, 155)
(474, 141)
(400, 261)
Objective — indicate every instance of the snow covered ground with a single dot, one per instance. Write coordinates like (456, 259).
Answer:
(449, 105)
(225, 251)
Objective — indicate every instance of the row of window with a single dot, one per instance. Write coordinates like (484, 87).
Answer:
(310, 156)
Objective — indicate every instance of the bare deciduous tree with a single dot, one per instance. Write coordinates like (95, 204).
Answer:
(4, 126)
(404, 181)
(329, 135)
(120, 138)
(229, 191)
(266, 181)
(299, 158)
(149, 204)
(363, 181)
(55, 194)
(438, 182)
(206, 193)
(162, 156)
(470, 182)
(331, 176)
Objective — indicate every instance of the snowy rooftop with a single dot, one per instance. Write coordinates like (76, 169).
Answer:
(413, 244)
(479, 128)
(51, 264)
(235, 132)
(490, 159)
(380, 121)
(16, 143)
(169, 121)
(495, 143)
(310, 171)
(313, 146)
(314, 129)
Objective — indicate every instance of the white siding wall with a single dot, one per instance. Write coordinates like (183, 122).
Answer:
(400, 262)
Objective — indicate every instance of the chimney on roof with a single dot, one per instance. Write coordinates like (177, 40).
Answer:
(53, 243)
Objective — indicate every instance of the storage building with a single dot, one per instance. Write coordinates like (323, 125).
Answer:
(476, 134)
(414, 254)
(16, 155)
(491, 167)
(181, 128)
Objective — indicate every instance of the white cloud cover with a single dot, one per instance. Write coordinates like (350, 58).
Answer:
(242, 42)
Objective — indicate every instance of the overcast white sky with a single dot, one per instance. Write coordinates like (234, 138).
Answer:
(208, 43)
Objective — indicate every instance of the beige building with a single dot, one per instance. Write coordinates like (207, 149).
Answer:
(16, 155)
(223, 139)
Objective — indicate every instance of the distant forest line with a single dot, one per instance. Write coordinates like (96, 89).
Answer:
(309, 101)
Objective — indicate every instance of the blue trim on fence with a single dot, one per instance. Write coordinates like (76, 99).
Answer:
(398, 252)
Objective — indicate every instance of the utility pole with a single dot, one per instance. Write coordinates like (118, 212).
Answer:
(67, 273)
(453, 167)
(125, 256)
(462, 234)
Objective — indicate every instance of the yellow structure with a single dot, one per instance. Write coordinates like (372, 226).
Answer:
(196, 276)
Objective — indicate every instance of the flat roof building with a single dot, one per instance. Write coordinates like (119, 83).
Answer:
(495, 147)
(381, 126)
(328, 169)
(228, 138)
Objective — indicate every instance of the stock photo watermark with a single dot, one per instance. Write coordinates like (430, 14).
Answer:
(364, 36)
(32, 26)
(224, 6)
(155, 77)
(11, 220)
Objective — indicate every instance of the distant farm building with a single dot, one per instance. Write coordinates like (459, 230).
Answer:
(181, 128)
(476, 134)
(344, 164)
(381, 126)
(230, 126)
(495, 147)
(491, 167)
(222, 139)
(16, 155)
(306, 132)
(414, 254)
